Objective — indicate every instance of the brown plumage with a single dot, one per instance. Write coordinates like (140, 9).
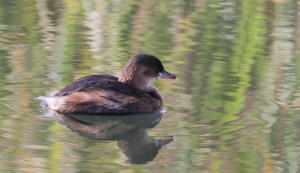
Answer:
(104, 94)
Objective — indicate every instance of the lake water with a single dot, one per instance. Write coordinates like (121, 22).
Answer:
(234, 109)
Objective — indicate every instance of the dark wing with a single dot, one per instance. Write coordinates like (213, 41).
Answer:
(95, 82)
(84, 84)
(99, 94)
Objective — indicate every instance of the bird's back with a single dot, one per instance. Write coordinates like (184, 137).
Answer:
(103, 94)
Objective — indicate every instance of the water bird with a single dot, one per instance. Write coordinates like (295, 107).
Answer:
(131, 93)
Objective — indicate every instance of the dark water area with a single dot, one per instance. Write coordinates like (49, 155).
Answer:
(234, 109)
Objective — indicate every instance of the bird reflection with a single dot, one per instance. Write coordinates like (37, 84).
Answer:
(129, 132)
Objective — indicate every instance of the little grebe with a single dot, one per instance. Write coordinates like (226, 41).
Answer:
(131, 93)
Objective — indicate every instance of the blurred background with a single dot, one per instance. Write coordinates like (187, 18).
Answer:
(235, 107)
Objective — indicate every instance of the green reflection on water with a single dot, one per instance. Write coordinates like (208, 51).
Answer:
(234, 109)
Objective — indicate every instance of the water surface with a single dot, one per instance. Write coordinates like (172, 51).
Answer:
(235, 107)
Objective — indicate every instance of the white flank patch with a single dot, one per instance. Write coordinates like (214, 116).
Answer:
(50, 101)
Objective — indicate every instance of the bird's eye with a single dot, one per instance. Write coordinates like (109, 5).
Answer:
(147, 72)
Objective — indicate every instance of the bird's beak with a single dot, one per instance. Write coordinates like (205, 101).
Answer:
(165, 74)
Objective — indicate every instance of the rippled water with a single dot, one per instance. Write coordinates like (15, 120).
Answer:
(235, 107)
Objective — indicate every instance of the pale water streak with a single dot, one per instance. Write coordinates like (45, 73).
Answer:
(235, 107)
